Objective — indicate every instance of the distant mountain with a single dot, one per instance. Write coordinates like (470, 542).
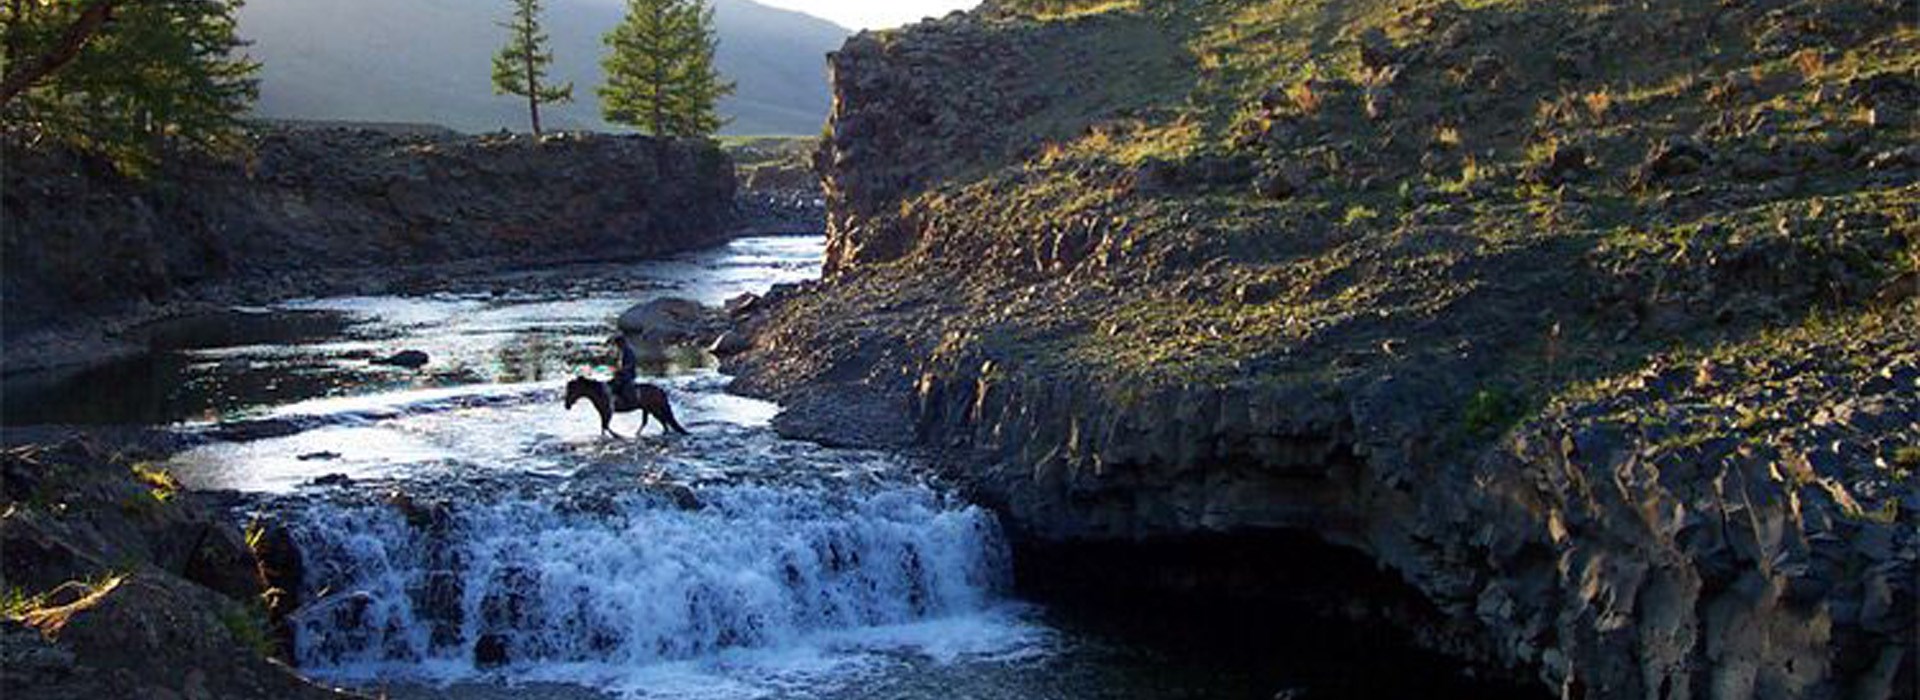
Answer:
(430, 61)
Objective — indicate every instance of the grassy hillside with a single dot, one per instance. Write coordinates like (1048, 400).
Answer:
(1304, 182)
(430, 61)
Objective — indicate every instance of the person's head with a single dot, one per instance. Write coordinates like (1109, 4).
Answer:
(617, 341)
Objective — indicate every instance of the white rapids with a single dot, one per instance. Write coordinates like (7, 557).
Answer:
(726, 564)
(610, 592)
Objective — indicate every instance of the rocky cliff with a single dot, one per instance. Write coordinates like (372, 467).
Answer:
(328, 209)
(120, 584)
(1603, 344)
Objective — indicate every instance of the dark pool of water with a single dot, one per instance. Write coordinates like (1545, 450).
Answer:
(168, 384)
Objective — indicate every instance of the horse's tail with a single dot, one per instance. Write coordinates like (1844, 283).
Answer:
(667, 419)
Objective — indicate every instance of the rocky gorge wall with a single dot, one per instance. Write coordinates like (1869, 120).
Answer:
(318, 209)
(1619, 561)
(1624, 467)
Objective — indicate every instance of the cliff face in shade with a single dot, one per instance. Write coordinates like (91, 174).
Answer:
(1624, 381)
(312, 209)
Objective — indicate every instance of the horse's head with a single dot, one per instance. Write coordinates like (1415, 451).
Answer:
(580, 388)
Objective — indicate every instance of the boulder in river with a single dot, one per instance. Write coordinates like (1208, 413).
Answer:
(491, 652)
(409, 359)
(670, 320)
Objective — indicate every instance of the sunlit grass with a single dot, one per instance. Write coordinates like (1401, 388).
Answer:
(1067, 9)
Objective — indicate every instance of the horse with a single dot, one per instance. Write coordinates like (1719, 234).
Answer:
(650, 400)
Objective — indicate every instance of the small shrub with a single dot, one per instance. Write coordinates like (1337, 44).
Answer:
(256, 533)
(1472, 172)
(157, 477)
(18, 602)
(248, 626)
(1491, 412)
(1907, 458)
(1360, 214)
(1887, 514)
(1304, 97)
(1809, 62)
(162, 483)
(1599, 103)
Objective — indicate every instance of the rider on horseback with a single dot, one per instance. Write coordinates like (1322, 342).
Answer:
(626, 393)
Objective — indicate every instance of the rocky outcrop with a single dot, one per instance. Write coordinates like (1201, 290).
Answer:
(1645, 440)
(918, 106)
(308, 204)
(125, 586)
(149, 637)
(1622, 544)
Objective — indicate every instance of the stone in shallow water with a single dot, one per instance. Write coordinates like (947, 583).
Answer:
(491, 652)
(670, 320)
(409, 359)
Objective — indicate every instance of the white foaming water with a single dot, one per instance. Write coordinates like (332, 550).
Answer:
(757, 590)
(541, 551)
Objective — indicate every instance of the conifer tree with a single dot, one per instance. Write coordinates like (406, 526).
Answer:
(158, 76)
(661, 77)
(521, 66)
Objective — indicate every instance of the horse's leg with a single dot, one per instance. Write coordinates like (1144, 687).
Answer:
(643, 424)
(606, 425)
(662, 410)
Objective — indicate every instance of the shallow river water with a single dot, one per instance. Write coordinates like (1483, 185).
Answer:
(535, 558)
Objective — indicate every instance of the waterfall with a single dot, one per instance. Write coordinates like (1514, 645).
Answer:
(630, 580)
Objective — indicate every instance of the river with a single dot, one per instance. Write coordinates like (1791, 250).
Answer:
(463, 535)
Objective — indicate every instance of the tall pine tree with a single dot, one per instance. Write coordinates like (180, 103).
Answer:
(158, 76)
(521, 67)
(661, 77)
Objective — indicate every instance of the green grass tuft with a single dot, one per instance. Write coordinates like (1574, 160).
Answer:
(248, 626)
(1492, 411)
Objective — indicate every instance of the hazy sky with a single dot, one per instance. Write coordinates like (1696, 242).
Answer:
(874, 14)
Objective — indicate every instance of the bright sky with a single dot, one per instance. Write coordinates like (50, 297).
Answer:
(874, 14)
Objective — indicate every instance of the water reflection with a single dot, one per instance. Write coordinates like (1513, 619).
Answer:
(526, 358)
(240, 328)
(527, 326)
(167, 386)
